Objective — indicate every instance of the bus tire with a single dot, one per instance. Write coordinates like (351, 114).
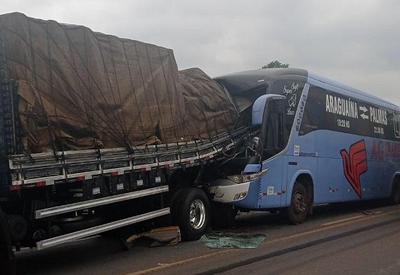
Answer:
(191, 211)
(7, 258)
(300, 205)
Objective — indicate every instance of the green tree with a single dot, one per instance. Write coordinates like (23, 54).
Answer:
(275, 64)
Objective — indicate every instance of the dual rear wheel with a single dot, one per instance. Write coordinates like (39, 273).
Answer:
(191, 211)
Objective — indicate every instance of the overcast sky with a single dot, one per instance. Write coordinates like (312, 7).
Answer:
(355, 42)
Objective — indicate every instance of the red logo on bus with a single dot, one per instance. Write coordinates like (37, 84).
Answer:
(355, 164)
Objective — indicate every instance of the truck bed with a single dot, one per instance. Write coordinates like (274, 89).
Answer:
(49, 168)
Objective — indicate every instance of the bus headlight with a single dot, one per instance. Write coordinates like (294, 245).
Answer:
(236, 178)
(240, 196)
(247, 177)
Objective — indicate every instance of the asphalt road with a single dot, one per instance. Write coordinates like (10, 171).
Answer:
(351, 239)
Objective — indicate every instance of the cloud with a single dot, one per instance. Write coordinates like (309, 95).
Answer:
(351, 41)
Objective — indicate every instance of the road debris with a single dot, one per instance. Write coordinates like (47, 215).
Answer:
(232, 240)
(163, 236)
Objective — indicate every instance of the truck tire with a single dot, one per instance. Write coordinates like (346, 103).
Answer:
(191, 210)
(7, 258)
(299, 205)
(223, 215)
(395, 196)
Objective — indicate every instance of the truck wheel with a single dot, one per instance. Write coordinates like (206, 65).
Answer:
(7, 258)
(395, 196)
(223, 215)
(299, 205)
(191, 209)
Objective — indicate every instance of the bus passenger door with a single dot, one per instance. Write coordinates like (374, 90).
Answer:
(274, 136)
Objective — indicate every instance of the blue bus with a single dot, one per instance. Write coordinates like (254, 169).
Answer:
(318, 142)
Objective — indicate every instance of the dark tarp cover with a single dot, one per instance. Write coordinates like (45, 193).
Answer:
(80, 89)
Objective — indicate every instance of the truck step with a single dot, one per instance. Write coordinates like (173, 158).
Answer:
(61, 209)
(101, 228)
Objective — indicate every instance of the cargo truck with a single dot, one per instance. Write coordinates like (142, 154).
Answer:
(51, 198)
(99, 134)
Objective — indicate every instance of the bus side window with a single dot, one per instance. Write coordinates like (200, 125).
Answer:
(276, 134)
(396, 125)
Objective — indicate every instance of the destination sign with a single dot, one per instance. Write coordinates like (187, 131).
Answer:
(332, 111)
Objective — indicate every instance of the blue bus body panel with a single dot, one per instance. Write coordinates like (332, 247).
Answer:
(252, 198)
(343, 166)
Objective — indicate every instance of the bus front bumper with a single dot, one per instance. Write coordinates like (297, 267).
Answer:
(227, 191)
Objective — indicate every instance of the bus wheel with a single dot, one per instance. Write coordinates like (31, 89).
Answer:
(191, 210)
(299, 205)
